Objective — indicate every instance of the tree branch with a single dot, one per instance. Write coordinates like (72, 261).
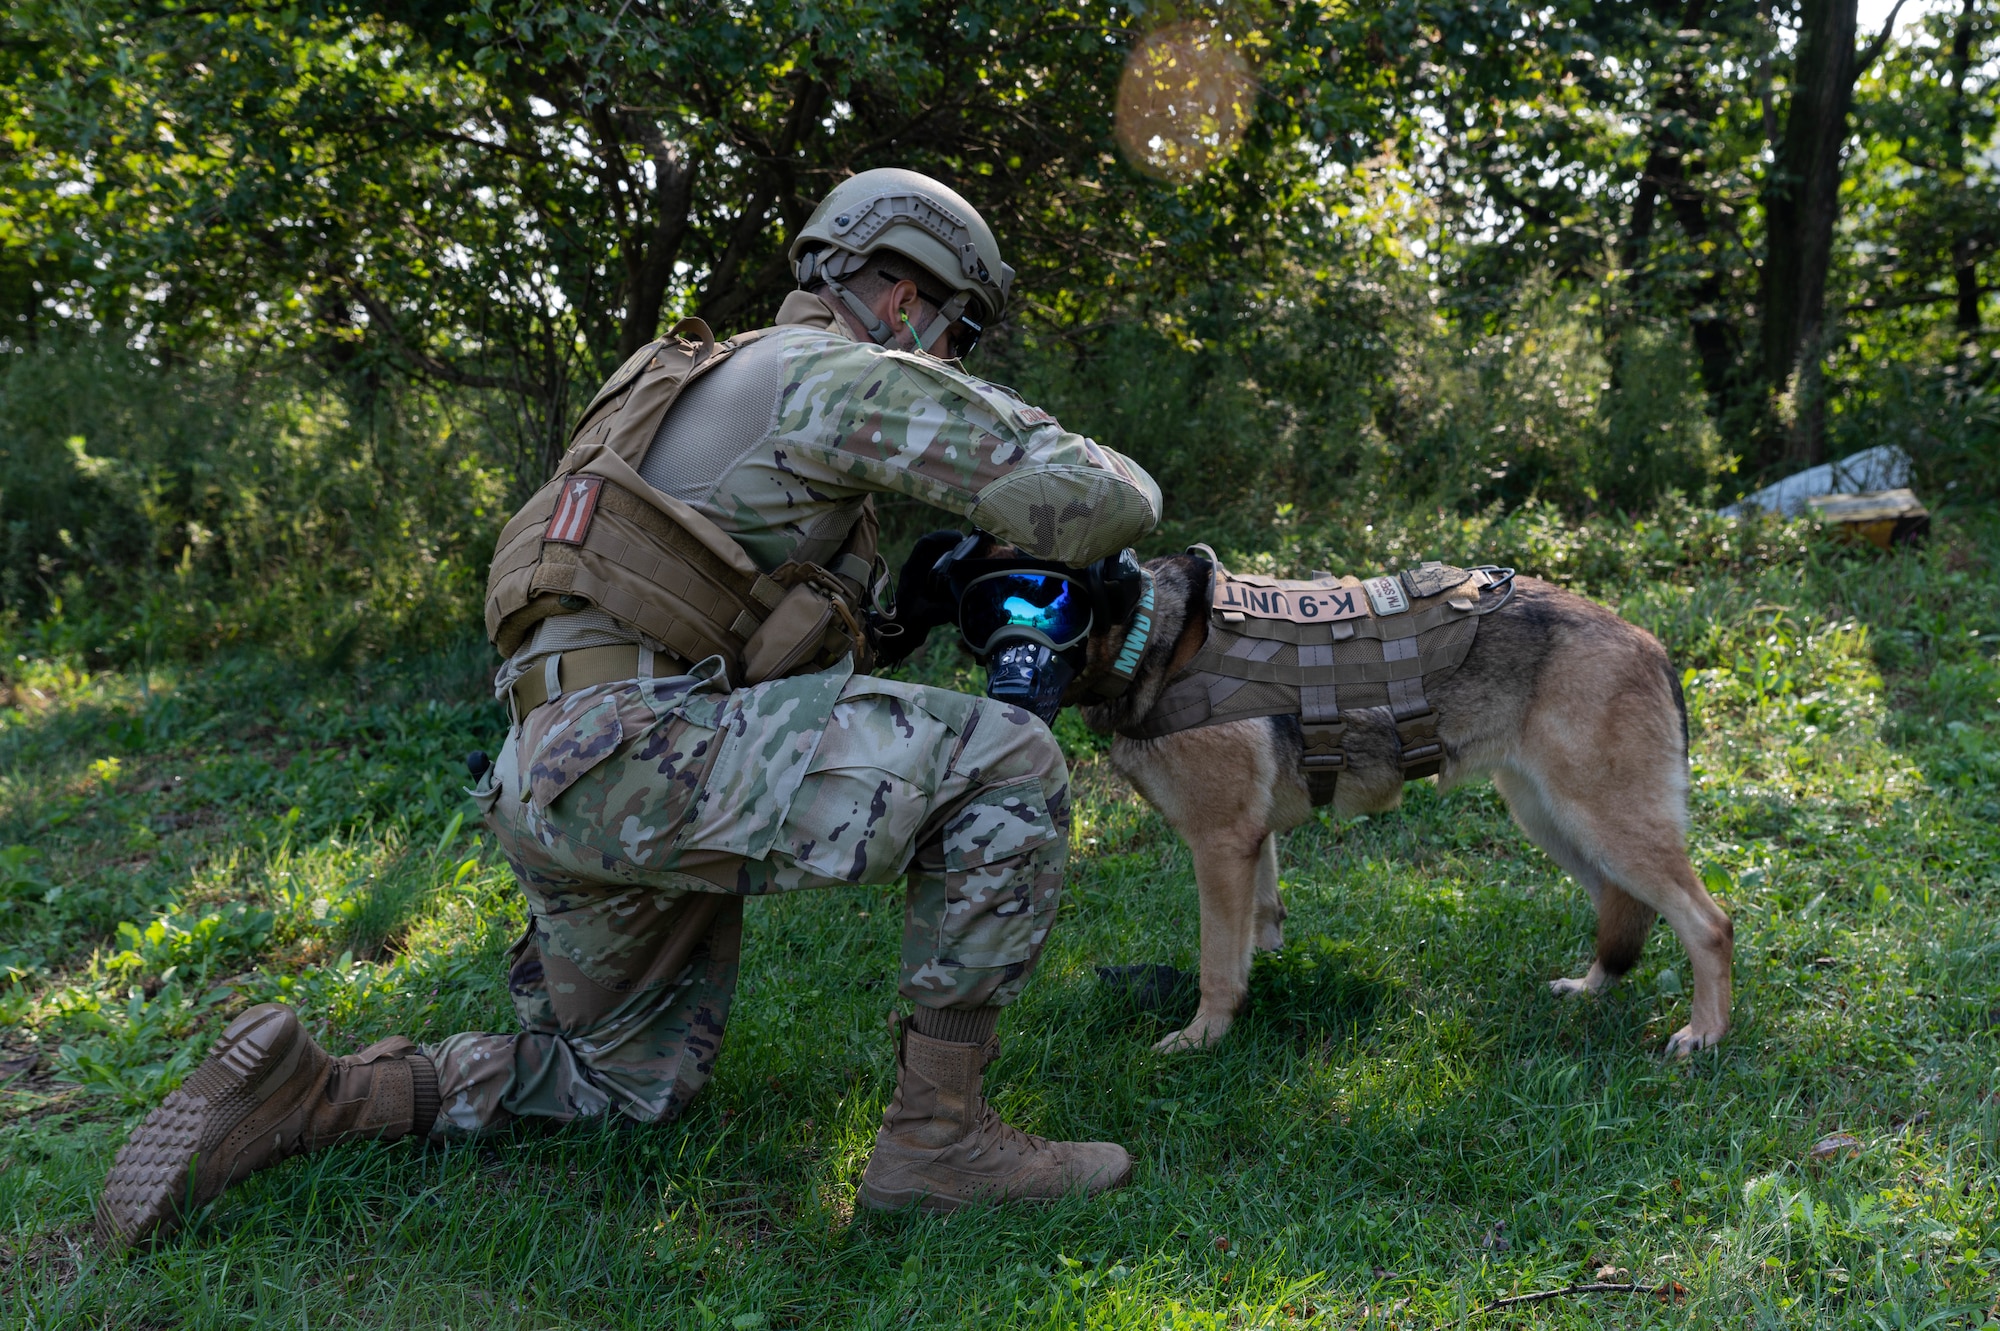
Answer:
(380, 315)
(1670, 1291)
(1873, 50)
(1873, 303)
(673, 190)
(720, 300)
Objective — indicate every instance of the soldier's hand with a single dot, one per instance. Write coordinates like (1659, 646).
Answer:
(921, 603)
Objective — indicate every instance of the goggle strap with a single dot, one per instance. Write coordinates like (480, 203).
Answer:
(948, 315)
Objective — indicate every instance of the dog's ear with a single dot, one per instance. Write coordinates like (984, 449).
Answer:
(1179, 623)
(1101, 650)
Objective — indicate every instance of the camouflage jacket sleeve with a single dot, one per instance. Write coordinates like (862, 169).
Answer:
(871, 418)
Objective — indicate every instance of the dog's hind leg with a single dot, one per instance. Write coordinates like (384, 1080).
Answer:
(1270, 906)
(1622, 923)
(1631, 857)
(1659, 878)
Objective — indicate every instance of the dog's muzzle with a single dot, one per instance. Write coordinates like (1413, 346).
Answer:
(1030, 676)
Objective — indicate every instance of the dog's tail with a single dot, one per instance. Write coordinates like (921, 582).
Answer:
(1680, 705)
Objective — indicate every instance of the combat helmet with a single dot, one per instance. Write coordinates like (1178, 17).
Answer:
(923, 221)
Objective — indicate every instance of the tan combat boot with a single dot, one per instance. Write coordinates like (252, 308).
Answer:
(266, 1092)
(942, 1147)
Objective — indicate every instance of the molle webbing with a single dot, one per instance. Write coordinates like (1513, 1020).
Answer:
(598, 534)
(1316, 669)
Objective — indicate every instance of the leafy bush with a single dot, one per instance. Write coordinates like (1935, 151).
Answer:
(1237, 397)
(1934, 398)
(140, 1051)
(192, 947)
(157, 512)
(1657, 437)
(1342, 394)
(153, 511)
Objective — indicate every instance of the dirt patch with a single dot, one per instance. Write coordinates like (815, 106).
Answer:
(52, 1256)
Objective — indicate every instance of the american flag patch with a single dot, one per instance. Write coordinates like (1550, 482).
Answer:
(574, 510)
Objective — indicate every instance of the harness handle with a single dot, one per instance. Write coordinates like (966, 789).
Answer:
(1496, 576)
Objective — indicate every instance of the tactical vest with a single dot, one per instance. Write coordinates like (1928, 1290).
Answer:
(1317, 648)
(598, 534)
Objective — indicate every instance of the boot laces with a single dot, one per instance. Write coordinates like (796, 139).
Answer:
(1002, 1135)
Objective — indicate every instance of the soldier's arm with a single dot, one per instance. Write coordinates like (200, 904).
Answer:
(873, 419)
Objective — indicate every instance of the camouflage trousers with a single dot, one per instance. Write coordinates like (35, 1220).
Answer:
(637, 817)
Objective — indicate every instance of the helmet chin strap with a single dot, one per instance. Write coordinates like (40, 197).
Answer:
(946, 317)
(882, 333)
(812, 267)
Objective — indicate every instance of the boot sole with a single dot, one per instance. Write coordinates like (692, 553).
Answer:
(908, 1198)
(880, 1199)
(152, 1183)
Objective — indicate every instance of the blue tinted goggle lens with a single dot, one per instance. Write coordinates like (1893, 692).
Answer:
(1048, 603)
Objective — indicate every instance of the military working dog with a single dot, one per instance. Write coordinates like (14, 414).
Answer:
(1574, 713)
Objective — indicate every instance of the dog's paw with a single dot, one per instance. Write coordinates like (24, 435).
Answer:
(1594, 981)
(1687, 1041)
(1197, 1034)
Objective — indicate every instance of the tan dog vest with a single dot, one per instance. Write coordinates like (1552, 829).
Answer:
(597, 534)
(1312, 649)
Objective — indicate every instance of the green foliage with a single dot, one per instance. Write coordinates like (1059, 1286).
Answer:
(1657, 435)
(1922, 211)
(133, 1056)
(1338, 390)
(1237, 397)
(156, 512)
(509, 198)
(171, 945)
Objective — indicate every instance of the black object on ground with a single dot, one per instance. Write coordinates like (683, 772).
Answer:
(1151, 985)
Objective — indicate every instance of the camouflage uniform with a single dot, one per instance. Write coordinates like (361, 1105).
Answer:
(638, 815)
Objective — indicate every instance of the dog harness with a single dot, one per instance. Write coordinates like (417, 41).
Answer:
(1317, 648)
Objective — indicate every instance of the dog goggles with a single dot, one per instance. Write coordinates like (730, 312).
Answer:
(1050, 608)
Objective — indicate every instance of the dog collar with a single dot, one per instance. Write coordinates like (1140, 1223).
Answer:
(1138, 632)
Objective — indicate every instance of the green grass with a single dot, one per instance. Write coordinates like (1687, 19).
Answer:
(1404, 1128)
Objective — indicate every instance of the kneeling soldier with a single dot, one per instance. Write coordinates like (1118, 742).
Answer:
(681, 609)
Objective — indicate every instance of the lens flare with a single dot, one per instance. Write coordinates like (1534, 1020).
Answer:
(1184, 101)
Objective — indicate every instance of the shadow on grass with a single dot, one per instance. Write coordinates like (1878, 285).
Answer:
(1314, 989)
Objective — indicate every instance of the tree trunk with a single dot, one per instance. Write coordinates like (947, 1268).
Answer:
(1967, 278)
(729, 291)
(1965, 271)
(1801, 208)
(650, 254)
(1665, 179)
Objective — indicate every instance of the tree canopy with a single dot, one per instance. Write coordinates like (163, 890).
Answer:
(509, 196)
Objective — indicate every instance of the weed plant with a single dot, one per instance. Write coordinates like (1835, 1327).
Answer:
(1405, 1127)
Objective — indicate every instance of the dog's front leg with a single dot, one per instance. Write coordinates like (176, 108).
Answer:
(1226, 865)
(1270, 904)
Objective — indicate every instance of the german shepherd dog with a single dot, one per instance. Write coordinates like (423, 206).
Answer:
(1574, 713)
